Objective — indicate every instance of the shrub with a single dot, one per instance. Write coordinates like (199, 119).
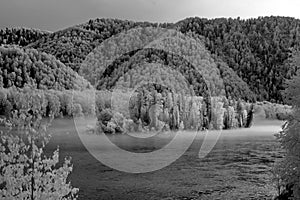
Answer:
(53, 107)
(118, 119)
(105, 116)
(129, 125)
(66, 103)
(77, 110)
(111, 123)
(104, 120)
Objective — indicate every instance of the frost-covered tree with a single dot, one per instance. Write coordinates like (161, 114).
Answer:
(217, 115)
(25, 171)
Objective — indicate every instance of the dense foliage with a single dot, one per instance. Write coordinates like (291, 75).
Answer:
(136, 69)
(235, 87)
(288, 169)
(20, 67)
(73, 44)
(25, 171)
(153, 107)
(126, 57)
(273, 111)
(55, 103)
(194, 88)
(70, 46)
(20, 36)
(254, 48)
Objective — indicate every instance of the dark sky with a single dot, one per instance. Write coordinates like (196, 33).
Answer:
(57, 14)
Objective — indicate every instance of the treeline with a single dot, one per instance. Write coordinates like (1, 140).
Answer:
(162, 110)
(256, 49)
(52, 103)
(20, 67)
(20, 36)
(148, 109)
(272, 111)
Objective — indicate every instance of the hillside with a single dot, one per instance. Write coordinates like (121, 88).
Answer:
(170, 49)
(255, 49)
(70, 46)
(20, 67)
(251, 55)
(21, 36)
(73, 44)
(235, 87)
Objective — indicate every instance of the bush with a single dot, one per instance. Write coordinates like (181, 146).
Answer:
(66, 103)
(129, 125)
(103, 101)
(53, 107)
(105, 116)
(77, 110)
(109, 128)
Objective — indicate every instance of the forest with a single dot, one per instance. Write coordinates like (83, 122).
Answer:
(204, 74)
(259, 51)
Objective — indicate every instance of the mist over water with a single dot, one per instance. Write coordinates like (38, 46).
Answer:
(148, 142)
(238, 149)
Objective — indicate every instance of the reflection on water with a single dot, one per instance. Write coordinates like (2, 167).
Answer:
(141, 145)
(152, 141)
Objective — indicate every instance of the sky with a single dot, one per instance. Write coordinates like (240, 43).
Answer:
(54, 15)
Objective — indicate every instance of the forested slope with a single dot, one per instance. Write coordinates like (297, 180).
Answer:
(19, 67)
(71, 45)
(20, 36)
(255, 48)
(252, 55)
(234, 85)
